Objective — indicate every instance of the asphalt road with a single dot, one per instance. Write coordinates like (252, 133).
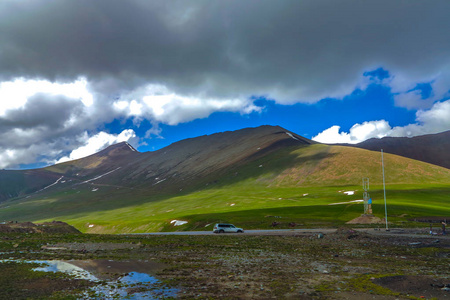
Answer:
(247, 232)
(412, 232)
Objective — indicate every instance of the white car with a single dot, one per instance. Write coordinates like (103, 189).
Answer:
(224, 228)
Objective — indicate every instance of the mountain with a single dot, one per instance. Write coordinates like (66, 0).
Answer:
(431, 148)
(181, 164)
(243, 176)
(19, 183)
(192, 161)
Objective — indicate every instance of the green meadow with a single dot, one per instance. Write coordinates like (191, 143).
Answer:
(249, 207)
(292, 185)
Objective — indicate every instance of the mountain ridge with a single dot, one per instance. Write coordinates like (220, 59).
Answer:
(430, 148)
(192, 160)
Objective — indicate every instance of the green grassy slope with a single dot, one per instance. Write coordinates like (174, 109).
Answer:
(293, 184)
(17, 183)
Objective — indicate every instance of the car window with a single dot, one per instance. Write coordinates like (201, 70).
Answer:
(226, 225)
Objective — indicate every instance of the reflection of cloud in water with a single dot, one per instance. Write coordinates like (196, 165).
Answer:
(116, 289)
(64, 267)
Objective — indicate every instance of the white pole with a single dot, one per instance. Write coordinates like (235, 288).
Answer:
(384, 189)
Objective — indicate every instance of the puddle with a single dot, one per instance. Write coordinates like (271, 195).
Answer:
(64, 267)
(131, 285)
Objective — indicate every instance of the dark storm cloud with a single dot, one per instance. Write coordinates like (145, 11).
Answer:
(44, 119)
(48, 127)
(42, 110)
(290, 50)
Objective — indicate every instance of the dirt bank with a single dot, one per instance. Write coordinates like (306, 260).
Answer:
(29, 227)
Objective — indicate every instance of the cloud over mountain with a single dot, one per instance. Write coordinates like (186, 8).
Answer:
(436, 119)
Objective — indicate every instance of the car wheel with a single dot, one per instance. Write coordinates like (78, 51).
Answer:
(221, 231)
(239, 231)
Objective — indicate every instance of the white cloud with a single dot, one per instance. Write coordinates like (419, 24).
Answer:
(367, 130)
(403, 85)
(358, 133)
(14, 156)
(434, 120)
(413, 100)
(98, 142)
(40, 119)
(158, 103)
(437, 118)
(154, 131)
(332, 136)
(15, 94)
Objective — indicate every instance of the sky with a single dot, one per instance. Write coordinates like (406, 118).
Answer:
(78, 75)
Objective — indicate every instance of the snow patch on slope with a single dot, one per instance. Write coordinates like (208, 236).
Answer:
(130, 147)
(159, 181)
(354, 201)
(178, 223)
(56, 182)
(100, 176)
(290, 134)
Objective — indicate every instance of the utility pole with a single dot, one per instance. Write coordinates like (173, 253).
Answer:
(384, 189)
(366, 197)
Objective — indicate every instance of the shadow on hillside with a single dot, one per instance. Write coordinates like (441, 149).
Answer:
(273, 218)
(315, 216)
(262, 165)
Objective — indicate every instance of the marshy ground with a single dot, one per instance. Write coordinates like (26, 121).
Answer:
(344, 264)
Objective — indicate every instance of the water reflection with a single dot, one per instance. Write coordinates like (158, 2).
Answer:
(133, 285)
(64, 267)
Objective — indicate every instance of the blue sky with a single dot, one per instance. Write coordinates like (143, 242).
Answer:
(77, 76)
(376, 102)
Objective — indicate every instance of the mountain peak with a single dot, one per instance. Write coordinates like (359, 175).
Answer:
(117, 149)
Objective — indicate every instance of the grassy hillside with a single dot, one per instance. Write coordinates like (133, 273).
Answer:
(293, 184)
(19, 183)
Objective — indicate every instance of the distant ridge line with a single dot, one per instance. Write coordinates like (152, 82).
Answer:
(430, 148)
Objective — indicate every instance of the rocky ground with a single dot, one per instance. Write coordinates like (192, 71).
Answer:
(344, 264)
(29, 227)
